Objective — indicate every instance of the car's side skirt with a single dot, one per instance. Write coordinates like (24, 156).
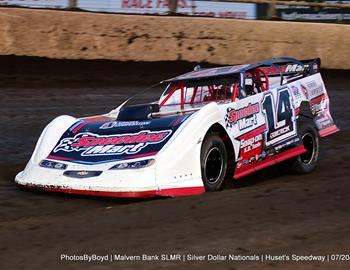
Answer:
(298, 150)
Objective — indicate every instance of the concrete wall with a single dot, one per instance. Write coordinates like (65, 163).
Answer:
(60, 34)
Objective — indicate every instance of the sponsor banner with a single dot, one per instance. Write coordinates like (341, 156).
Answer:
(186, 7)
(160, 7)
(308, 13)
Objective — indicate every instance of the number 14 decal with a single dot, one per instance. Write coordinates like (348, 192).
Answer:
(280, 116)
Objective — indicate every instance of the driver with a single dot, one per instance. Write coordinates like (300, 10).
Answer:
(249, 89)
(257, 82)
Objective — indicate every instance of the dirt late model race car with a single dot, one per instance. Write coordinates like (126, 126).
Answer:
(244, 117)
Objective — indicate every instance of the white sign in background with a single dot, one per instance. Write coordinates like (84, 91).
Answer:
(36, 3)
(188, 7)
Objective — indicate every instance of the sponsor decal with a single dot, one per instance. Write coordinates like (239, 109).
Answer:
(114, 124)
(90, 144)
(323, 120)
(280, 132)
(245, 117)
(317, 107)
(295, 68)
(288, 143)
(305, 91)
(314, 89)
(179, 120)
(251, 143)
(264, 154)
(295, 91)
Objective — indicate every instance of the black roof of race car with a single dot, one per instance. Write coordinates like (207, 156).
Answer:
(206, 73)
(210, 73)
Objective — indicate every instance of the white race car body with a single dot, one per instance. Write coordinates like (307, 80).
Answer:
(160, 155)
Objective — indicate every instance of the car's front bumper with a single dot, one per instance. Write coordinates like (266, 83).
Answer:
(139, 183)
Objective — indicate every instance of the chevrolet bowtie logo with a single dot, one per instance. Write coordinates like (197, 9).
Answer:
(82, 173)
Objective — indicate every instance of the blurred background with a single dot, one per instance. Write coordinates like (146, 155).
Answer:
(288, 10)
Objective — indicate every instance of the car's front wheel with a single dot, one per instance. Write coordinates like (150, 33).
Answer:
(213, 162)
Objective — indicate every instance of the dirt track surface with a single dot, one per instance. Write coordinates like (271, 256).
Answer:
(272, 213)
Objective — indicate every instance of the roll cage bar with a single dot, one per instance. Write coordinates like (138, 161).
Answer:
(266, 63)
(213, 91)
(252, 70)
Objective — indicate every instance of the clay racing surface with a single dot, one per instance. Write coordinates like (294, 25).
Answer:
(271, 213)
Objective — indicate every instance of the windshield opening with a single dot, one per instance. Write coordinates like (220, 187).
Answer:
(182, 96)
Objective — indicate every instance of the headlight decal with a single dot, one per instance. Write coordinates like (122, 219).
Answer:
(52, 164)
(133, 165)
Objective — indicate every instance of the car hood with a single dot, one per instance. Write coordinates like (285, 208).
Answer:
(101, 141)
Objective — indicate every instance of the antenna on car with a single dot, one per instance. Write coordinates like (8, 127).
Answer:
(196, 68)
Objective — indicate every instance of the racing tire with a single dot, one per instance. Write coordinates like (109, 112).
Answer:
(213, 162)
(306, 163)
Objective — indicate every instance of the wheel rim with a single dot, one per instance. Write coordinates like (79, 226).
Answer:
(213, 165)
(310, 146)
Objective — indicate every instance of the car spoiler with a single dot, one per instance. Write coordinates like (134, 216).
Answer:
(289, 66)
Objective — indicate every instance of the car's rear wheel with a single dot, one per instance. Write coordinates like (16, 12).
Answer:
(306, 163)
(213, 162)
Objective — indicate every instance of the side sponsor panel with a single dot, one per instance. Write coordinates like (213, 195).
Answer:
(313, 90)
(264, 125)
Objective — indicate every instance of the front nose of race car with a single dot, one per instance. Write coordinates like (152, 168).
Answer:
(114, 159)
(112, 180)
